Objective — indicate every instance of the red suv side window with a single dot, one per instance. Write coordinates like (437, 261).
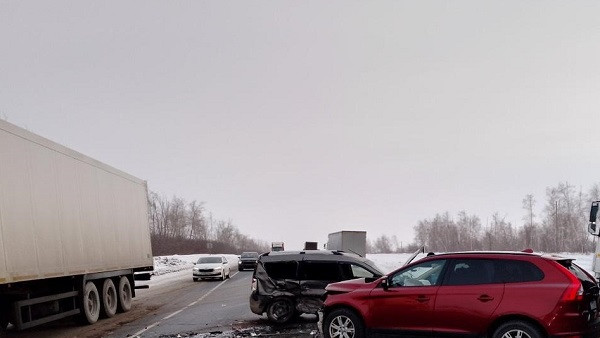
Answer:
(488, 271)
(470, 272)
(514, 271)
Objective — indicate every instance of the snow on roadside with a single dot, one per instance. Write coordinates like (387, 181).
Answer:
(386, 262)
(169, 264)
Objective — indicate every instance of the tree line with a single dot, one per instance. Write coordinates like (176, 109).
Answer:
(561, 226)
(180, 227)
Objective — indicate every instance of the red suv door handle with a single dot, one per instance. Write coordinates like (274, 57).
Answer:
(485, 298)
(422, 299)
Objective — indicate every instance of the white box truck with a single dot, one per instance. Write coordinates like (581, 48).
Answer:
(348, 241)
(73, 233)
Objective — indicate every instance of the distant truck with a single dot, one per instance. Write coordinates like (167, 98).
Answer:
(73, 233)
(311, 245)
(277, 246)
(348, 241)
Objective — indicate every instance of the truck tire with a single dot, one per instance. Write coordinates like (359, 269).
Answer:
(109, 298)
(90, 303)
(125, 294)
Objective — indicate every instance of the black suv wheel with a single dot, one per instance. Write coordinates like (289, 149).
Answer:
(281, 310)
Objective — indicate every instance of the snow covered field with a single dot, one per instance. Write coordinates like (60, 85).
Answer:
(165, 265)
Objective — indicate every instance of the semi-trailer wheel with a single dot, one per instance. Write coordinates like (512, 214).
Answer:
(125, 294)
(90, 303)
(109, 298)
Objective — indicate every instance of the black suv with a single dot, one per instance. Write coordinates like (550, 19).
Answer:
(289, 283)
(248, 260)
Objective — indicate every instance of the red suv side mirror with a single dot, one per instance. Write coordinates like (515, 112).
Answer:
(385, 283)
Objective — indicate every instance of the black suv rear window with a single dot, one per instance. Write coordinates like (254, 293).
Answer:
(282, 270)
(323, 271)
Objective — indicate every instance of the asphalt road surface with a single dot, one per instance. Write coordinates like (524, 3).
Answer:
(180, 307)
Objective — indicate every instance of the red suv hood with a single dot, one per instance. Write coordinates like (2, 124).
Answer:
(349, 285)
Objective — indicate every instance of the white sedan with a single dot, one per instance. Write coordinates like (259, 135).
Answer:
(211, 267)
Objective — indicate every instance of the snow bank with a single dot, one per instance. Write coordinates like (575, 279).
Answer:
(164, 265)
(168, 264)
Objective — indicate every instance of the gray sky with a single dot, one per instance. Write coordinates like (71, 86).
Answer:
(300, 118)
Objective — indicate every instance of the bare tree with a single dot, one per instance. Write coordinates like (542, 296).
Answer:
(469, 231)
(382, 245)
(196, 221)
(528, 205)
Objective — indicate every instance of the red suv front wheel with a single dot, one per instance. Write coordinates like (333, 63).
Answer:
(343, 323)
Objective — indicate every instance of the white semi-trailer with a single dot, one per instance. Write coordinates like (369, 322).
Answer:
(73, 233)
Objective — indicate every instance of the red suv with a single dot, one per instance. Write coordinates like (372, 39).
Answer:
(480, 294)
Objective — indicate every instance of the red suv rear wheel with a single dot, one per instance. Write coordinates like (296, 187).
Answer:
(517, 329)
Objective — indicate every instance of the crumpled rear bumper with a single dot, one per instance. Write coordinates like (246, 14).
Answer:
(257, 304)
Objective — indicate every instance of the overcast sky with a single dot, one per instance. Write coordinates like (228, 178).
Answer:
(295, 119)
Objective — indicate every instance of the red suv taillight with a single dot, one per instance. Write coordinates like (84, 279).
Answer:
(254, 284)
(574, 291)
